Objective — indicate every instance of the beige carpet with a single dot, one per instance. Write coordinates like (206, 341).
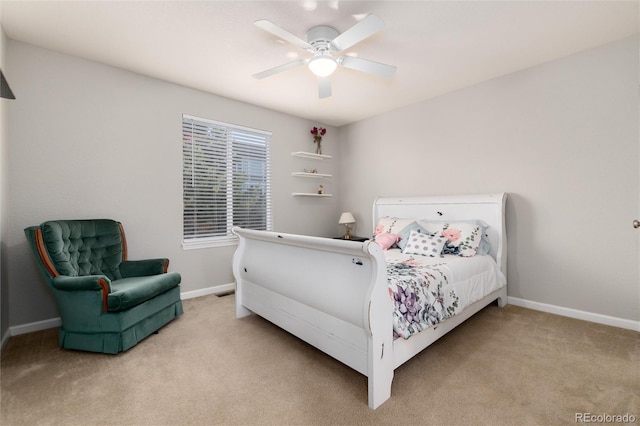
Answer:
(508, 366)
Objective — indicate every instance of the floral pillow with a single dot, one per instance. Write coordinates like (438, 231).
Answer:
(462, 238)
(392, 225)
(483, 248)
(424, 244)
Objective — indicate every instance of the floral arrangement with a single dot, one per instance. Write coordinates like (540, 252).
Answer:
(318, 133)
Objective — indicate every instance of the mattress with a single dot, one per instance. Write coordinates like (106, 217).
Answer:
(428, 290)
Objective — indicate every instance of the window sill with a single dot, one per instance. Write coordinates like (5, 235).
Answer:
(204, 243)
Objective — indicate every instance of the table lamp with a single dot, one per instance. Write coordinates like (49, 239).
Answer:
(346, 219)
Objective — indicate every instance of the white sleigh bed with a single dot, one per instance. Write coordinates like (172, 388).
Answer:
(294, 281)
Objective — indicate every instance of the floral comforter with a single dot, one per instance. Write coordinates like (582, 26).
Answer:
(418, 296)
(427, 291)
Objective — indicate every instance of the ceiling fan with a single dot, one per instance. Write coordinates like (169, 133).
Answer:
(323, 41)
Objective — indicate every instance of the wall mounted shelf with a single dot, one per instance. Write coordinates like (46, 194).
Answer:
(311, 155)
(310, 175)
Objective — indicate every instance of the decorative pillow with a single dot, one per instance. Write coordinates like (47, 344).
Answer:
(392, 225)
(404, 234)
(424, 244)
(386, 240)
(462, 238)
(485, 245)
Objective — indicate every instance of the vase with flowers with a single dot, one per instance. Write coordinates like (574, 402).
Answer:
(318, 133)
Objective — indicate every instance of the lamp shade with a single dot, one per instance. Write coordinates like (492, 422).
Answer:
(346, 217)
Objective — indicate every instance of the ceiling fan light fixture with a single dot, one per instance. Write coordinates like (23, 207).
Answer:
(324, 41)
(323, 65)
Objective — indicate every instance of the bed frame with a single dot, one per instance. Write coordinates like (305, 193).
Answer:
(333, 293)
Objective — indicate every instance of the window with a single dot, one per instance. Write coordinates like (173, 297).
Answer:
(226, 181)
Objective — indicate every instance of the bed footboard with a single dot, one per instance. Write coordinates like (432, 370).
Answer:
(330, 293)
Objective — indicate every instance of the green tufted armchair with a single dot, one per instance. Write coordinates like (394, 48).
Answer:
(106, 302)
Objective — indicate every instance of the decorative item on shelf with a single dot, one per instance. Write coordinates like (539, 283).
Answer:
(318, 133)
(311, 170)
(321, 189)
(346, 219)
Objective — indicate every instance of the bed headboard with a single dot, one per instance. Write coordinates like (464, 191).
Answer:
(487, 207)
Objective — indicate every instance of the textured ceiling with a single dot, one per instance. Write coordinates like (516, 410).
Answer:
(438, 46)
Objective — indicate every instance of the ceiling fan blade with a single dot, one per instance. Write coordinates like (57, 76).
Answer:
(279, 68)
(370, 25)
(283, 34)
(324, 88)
(365, 65)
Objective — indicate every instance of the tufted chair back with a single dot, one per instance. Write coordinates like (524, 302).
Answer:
(84, 247)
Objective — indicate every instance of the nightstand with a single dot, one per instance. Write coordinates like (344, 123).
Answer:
(353, 238)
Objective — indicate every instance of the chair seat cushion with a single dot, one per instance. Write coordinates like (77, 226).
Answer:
(129, 292)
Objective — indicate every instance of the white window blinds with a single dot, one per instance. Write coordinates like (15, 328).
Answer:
(226, 180)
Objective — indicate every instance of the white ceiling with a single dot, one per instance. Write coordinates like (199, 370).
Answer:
(438, 46)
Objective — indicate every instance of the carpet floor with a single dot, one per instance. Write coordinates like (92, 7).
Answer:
(503, 366)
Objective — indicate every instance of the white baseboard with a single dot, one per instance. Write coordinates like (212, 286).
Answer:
(219, 289)
(34, 326)
(55, 322)
(574, 313)
(227, 288)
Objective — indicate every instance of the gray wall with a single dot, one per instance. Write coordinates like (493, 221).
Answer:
(87, 140)
(562, 138)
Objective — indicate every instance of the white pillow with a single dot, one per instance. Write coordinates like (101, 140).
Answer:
(423, 244)
(403, 236)
(392, 225)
